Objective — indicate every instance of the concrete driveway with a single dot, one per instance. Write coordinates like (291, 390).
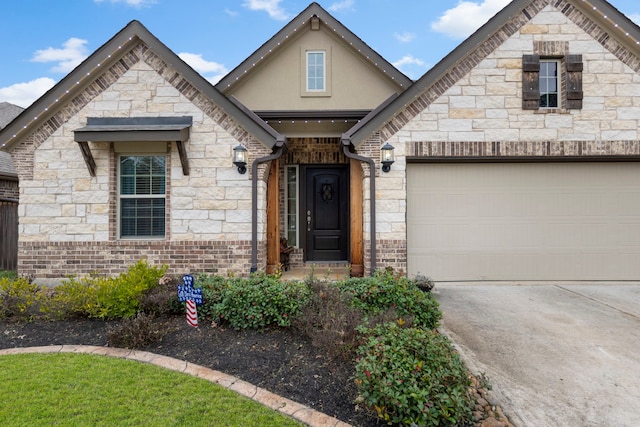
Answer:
(556, 355)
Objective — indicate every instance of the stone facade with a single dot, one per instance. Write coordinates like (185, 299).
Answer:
(68, 219)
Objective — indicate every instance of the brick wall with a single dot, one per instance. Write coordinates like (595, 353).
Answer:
(59, 259)
(9, 189)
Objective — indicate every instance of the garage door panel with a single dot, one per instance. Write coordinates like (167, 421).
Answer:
(555, 221)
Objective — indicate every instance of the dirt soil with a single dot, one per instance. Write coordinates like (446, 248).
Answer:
(275, 359)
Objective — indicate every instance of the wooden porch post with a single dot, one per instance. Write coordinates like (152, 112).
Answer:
(356, 213)
(273, 217)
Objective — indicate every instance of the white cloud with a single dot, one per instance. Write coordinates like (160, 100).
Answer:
(72, 53)
(231, 12)
(462, 20)
(134, 3)
(635, 18)
(411, 66)
(342, 5)
(405, 37)
(409, 60)
(272, 7)
(212, 71)
(23, 94)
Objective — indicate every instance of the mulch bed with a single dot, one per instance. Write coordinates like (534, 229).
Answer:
(275, 359)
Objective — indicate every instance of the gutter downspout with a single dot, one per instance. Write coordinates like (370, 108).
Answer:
(280, 146)
(346, 143)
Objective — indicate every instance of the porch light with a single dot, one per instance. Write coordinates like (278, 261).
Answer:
(240, 158)
(387, 157)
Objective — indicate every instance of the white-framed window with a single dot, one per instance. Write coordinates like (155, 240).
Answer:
(291, 206)
(316, 71)
(142, 196)
(550, 83)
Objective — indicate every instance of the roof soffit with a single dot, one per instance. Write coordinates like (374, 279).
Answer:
(299, 25)
(101, 60)
(598, 11)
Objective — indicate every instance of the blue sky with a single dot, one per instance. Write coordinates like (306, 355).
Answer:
(42, 41)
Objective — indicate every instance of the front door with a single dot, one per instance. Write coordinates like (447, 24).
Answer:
(326, 213)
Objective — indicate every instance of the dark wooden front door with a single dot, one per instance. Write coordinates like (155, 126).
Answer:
(326, 213)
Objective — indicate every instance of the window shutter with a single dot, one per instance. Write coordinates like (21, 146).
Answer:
(574, 82)
(530, 82)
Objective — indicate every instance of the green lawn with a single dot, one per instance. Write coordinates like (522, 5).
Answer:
(67, 389)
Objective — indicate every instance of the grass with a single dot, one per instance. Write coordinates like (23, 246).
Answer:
(69, 389)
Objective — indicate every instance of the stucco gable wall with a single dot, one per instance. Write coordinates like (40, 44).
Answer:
(277, 84)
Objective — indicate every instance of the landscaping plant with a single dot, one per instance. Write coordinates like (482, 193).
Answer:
(255, 302)
(412, 376)
(17, 295)
(104, 297)
(383, 292)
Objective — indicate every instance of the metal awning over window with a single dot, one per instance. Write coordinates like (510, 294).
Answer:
(121, 129)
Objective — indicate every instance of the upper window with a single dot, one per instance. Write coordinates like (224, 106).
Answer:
(549, 83)
(316, 71)
(553, 83)
(142, 196)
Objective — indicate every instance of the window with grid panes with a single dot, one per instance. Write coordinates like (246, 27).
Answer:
(142, 196)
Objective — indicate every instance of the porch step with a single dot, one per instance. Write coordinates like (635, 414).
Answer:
(320, 270)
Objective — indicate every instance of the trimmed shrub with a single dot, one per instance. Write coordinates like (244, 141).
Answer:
(104, 297)
(256, 302)
(17, 295)
(383, 292)
(412, 376)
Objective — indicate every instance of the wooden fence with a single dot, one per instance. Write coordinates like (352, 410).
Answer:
(8, 234)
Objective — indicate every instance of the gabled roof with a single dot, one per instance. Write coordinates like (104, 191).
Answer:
(108, 54)
(600, 11)
(289, 31)
(8, 112)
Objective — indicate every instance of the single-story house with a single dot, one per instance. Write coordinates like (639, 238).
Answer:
(517, 157)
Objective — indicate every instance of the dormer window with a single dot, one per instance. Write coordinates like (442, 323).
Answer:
(316, 71)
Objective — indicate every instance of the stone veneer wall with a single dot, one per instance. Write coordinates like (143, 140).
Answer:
(68, 219)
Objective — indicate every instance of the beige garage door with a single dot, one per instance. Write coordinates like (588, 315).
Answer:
(524, 221)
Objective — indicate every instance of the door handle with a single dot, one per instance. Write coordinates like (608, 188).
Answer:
(308, 220)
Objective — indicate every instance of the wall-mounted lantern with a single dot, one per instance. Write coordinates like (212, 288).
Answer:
(387, 157)
(240, 158)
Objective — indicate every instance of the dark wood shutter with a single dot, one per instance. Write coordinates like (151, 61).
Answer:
(530, 82)
(574, 82)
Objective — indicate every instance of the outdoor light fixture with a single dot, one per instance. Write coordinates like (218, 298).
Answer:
(387, 157)
(240, 158)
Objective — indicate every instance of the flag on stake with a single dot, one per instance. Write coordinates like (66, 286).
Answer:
(192, 314)
(191, 296)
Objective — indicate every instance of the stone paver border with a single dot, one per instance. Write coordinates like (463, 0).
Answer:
(280, 404)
